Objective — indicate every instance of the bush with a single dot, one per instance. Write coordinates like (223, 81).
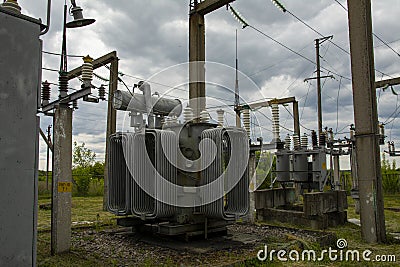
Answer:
(390, 182)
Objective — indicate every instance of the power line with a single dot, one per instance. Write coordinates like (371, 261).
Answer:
(380, 39)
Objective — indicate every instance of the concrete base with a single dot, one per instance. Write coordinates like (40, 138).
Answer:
(299, 218)
(319, 211)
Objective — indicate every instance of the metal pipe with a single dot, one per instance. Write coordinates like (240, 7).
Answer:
(47, 27)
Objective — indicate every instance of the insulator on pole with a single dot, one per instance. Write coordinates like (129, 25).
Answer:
(87, 71)
(275, 122)
(63, 84)
(102, 92)
(45, 92)
(246, 121)
(220, 117)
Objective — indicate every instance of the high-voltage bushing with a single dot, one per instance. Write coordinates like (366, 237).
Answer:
(246, 120)
(126, 101)
(220, 117)
(322, 139)
(188, 115)
(314, 139)
(275, 122)
(204, 116)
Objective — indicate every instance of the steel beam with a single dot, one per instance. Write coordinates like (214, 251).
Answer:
(71, 97)
(366, 121)
(209, 6)
(383, 83)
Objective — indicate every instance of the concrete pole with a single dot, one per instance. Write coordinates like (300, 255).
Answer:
(319, 105)
(197, 56)
(296, 120)
(111, 123)
(62, 180)
(366, 122)
(336, 172)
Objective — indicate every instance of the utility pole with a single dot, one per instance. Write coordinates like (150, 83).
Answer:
(366, 122)
(111, 122)
(197, 51)
(47, 162)
(237, 100)
(319, 105)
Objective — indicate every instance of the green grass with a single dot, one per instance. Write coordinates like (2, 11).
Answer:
(90, 209)
(84, 209)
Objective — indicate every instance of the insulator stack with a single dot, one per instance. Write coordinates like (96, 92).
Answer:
(45, 92)
(287, 142)
(75, 104)
(322, 139)
(102, 92)
(314, 138)
(220, 117)
(296, 142)
(204, 116)
(304, 141)
(12, 5)
(63, 84)
(246, 121)
(275, 121)
(188, 114)
(87, 71)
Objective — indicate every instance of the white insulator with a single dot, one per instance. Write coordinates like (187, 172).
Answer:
(296, 142)
(275, 121)
(188, 114)
(246, 121)
(87, 71)
(204, 116)
(287, 142)
(220, 117)
(304, 141)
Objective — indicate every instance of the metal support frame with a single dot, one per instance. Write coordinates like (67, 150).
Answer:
(197, 52)
(366, 118)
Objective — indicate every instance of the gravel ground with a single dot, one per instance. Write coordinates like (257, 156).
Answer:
(123, 247)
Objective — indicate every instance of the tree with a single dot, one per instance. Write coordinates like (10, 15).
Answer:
(82, 160)
(82, 156)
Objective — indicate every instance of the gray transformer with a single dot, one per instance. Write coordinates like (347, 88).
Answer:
(20, 64)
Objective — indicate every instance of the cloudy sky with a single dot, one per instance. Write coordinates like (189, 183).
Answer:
(151, 39)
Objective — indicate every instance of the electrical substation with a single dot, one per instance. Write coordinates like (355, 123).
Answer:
(175, 171)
